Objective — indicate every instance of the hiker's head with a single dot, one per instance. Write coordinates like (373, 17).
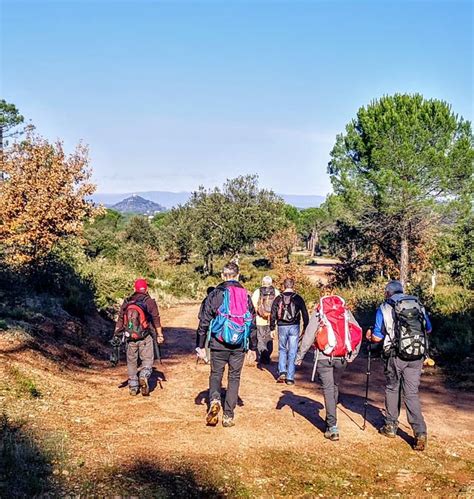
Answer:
(230, 272)
(288, 283)
(141, 286)
(210, 289)
(267, 281)
(392, 288)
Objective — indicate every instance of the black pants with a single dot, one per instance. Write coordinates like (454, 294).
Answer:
(219, 359)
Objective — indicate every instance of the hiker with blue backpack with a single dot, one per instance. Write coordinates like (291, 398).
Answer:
(403, 325)
(227, 320)
(288, 310)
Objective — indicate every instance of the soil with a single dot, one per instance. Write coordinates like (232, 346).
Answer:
(160, 445)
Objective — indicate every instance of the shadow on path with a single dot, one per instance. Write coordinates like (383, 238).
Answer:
(304, 406)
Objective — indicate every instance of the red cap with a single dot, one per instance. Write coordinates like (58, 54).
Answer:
(141, 285)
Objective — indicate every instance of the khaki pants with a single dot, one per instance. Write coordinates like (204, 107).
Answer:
(142, 350)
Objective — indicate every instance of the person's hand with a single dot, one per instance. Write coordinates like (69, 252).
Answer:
(201, 353)
(251, 356)
(272, 334)
(298, 362)
(160, 340)
(368, 334)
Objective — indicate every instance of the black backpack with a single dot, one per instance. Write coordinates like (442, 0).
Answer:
(409, 323)
(287, 308)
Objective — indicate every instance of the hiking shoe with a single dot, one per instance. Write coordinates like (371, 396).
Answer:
(281, 378)
(388, 430)
(332, 433)
(290, 382)
(420, 442)
(133, 390)
(227, 421)
(212, 417)
(144, 388)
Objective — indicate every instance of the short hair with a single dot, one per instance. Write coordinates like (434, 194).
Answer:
(267, 281)
(289, 283)
(210, 289)
(394, 287)
(231, 269)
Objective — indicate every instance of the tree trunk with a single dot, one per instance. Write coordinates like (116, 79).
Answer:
(314, 238)
(404, 260)
(434, 276)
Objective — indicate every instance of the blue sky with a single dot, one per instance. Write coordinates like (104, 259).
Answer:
(170, 95)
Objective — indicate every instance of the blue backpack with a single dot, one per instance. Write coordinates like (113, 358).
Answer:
(233, 321)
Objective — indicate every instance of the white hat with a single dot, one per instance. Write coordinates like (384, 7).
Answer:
(267, 281)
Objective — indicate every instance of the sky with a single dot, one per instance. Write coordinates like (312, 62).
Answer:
(174, 94)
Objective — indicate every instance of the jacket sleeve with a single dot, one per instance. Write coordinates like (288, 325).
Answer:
(304, 313)
(253, 330)
(255, 297)
(273, 313)
(154, 312)
(208, 312)
(309, 336)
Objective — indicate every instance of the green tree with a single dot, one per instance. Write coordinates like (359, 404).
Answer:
(176, 233)
(140, 231)
(10, 118)
(403, 164)
(228, 220)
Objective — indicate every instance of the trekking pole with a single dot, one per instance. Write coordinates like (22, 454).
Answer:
(313, 376)
(366, 402)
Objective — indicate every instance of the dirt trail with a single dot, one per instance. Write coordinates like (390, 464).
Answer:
(107, 427)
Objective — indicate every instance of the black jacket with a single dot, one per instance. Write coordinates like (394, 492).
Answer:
(301, 311)
(209, 310)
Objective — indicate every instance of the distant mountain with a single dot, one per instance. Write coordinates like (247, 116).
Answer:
(137, 204)
(171, 199)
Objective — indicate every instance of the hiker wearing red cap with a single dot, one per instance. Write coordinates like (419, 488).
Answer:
(139, 322)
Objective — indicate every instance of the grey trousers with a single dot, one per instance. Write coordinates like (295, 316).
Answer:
(219, 359)
(142, 350)
(264, 343)
(403, 379)
(330, 373)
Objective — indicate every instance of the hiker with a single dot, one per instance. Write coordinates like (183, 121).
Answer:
(139, 321)
(287, 311)
(228, 320)
(334, 349)
(262, 300)
(403, 325)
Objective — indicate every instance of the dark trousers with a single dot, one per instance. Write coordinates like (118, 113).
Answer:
(403, 380)
(330, 373)
(219, 359)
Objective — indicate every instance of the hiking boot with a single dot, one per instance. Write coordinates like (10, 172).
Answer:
(332, 433)
(144, 388)
(212, 417)
(133, 390)
(227, 421)
(281, 378)
(388, 430)
(420, 442)
(290, 382)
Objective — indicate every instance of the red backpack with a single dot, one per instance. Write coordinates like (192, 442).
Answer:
(336, 337)
(135, 320)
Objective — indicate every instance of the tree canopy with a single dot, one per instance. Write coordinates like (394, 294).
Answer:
(402, 166)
